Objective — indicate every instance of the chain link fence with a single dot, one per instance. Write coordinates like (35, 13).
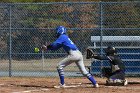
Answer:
(25, 26)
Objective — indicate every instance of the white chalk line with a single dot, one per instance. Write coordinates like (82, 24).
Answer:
(123, 87)
(2, 84)
(74, 85)
(29, 91)
(70, 86)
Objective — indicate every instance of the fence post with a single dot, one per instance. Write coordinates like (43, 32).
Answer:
(10, 44)
(101, 32)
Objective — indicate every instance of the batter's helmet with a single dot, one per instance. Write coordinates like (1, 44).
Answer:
(60, 30)
(110, 50)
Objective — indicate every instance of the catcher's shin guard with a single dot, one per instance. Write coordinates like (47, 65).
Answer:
(116, 82)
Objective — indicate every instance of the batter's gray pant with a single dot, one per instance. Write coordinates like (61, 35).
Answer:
(75, 56)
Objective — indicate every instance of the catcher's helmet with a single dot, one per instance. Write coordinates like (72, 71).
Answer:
(110, 50)
(60, 30)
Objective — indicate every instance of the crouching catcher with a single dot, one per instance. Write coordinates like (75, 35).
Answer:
(116, 72)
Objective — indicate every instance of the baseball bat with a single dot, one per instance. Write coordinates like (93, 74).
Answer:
(43, 62)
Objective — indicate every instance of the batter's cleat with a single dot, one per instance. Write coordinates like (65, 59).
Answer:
(96, 85)
(125, 82)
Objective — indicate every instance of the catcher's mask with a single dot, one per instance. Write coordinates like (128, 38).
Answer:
(110, 50)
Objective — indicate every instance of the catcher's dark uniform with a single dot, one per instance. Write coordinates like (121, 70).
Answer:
(116, 73)
(117, 70)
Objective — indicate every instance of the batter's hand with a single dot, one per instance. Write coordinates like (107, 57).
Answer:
(90, 53)
(44, 47)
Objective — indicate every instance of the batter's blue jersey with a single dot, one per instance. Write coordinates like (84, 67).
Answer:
(65, 42)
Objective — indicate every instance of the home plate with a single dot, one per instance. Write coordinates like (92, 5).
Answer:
(70, 86)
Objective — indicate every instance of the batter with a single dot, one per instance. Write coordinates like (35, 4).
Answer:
(74, 55)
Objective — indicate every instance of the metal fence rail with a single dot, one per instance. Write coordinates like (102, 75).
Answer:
(25, 26)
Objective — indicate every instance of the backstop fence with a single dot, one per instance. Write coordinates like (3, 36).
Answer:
(25, 26)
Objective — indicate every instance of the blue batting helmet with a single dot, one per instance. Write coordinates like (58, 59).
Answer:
(61, 30)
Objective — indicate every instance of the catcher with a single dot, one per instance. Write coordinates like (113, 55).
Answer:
(116, 73)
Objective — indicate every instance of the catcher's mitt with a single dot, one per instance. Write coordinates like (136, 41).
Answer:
(90, 53)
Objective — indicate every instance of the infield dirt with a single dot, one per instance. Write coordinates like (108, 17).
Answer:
(46, 85)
